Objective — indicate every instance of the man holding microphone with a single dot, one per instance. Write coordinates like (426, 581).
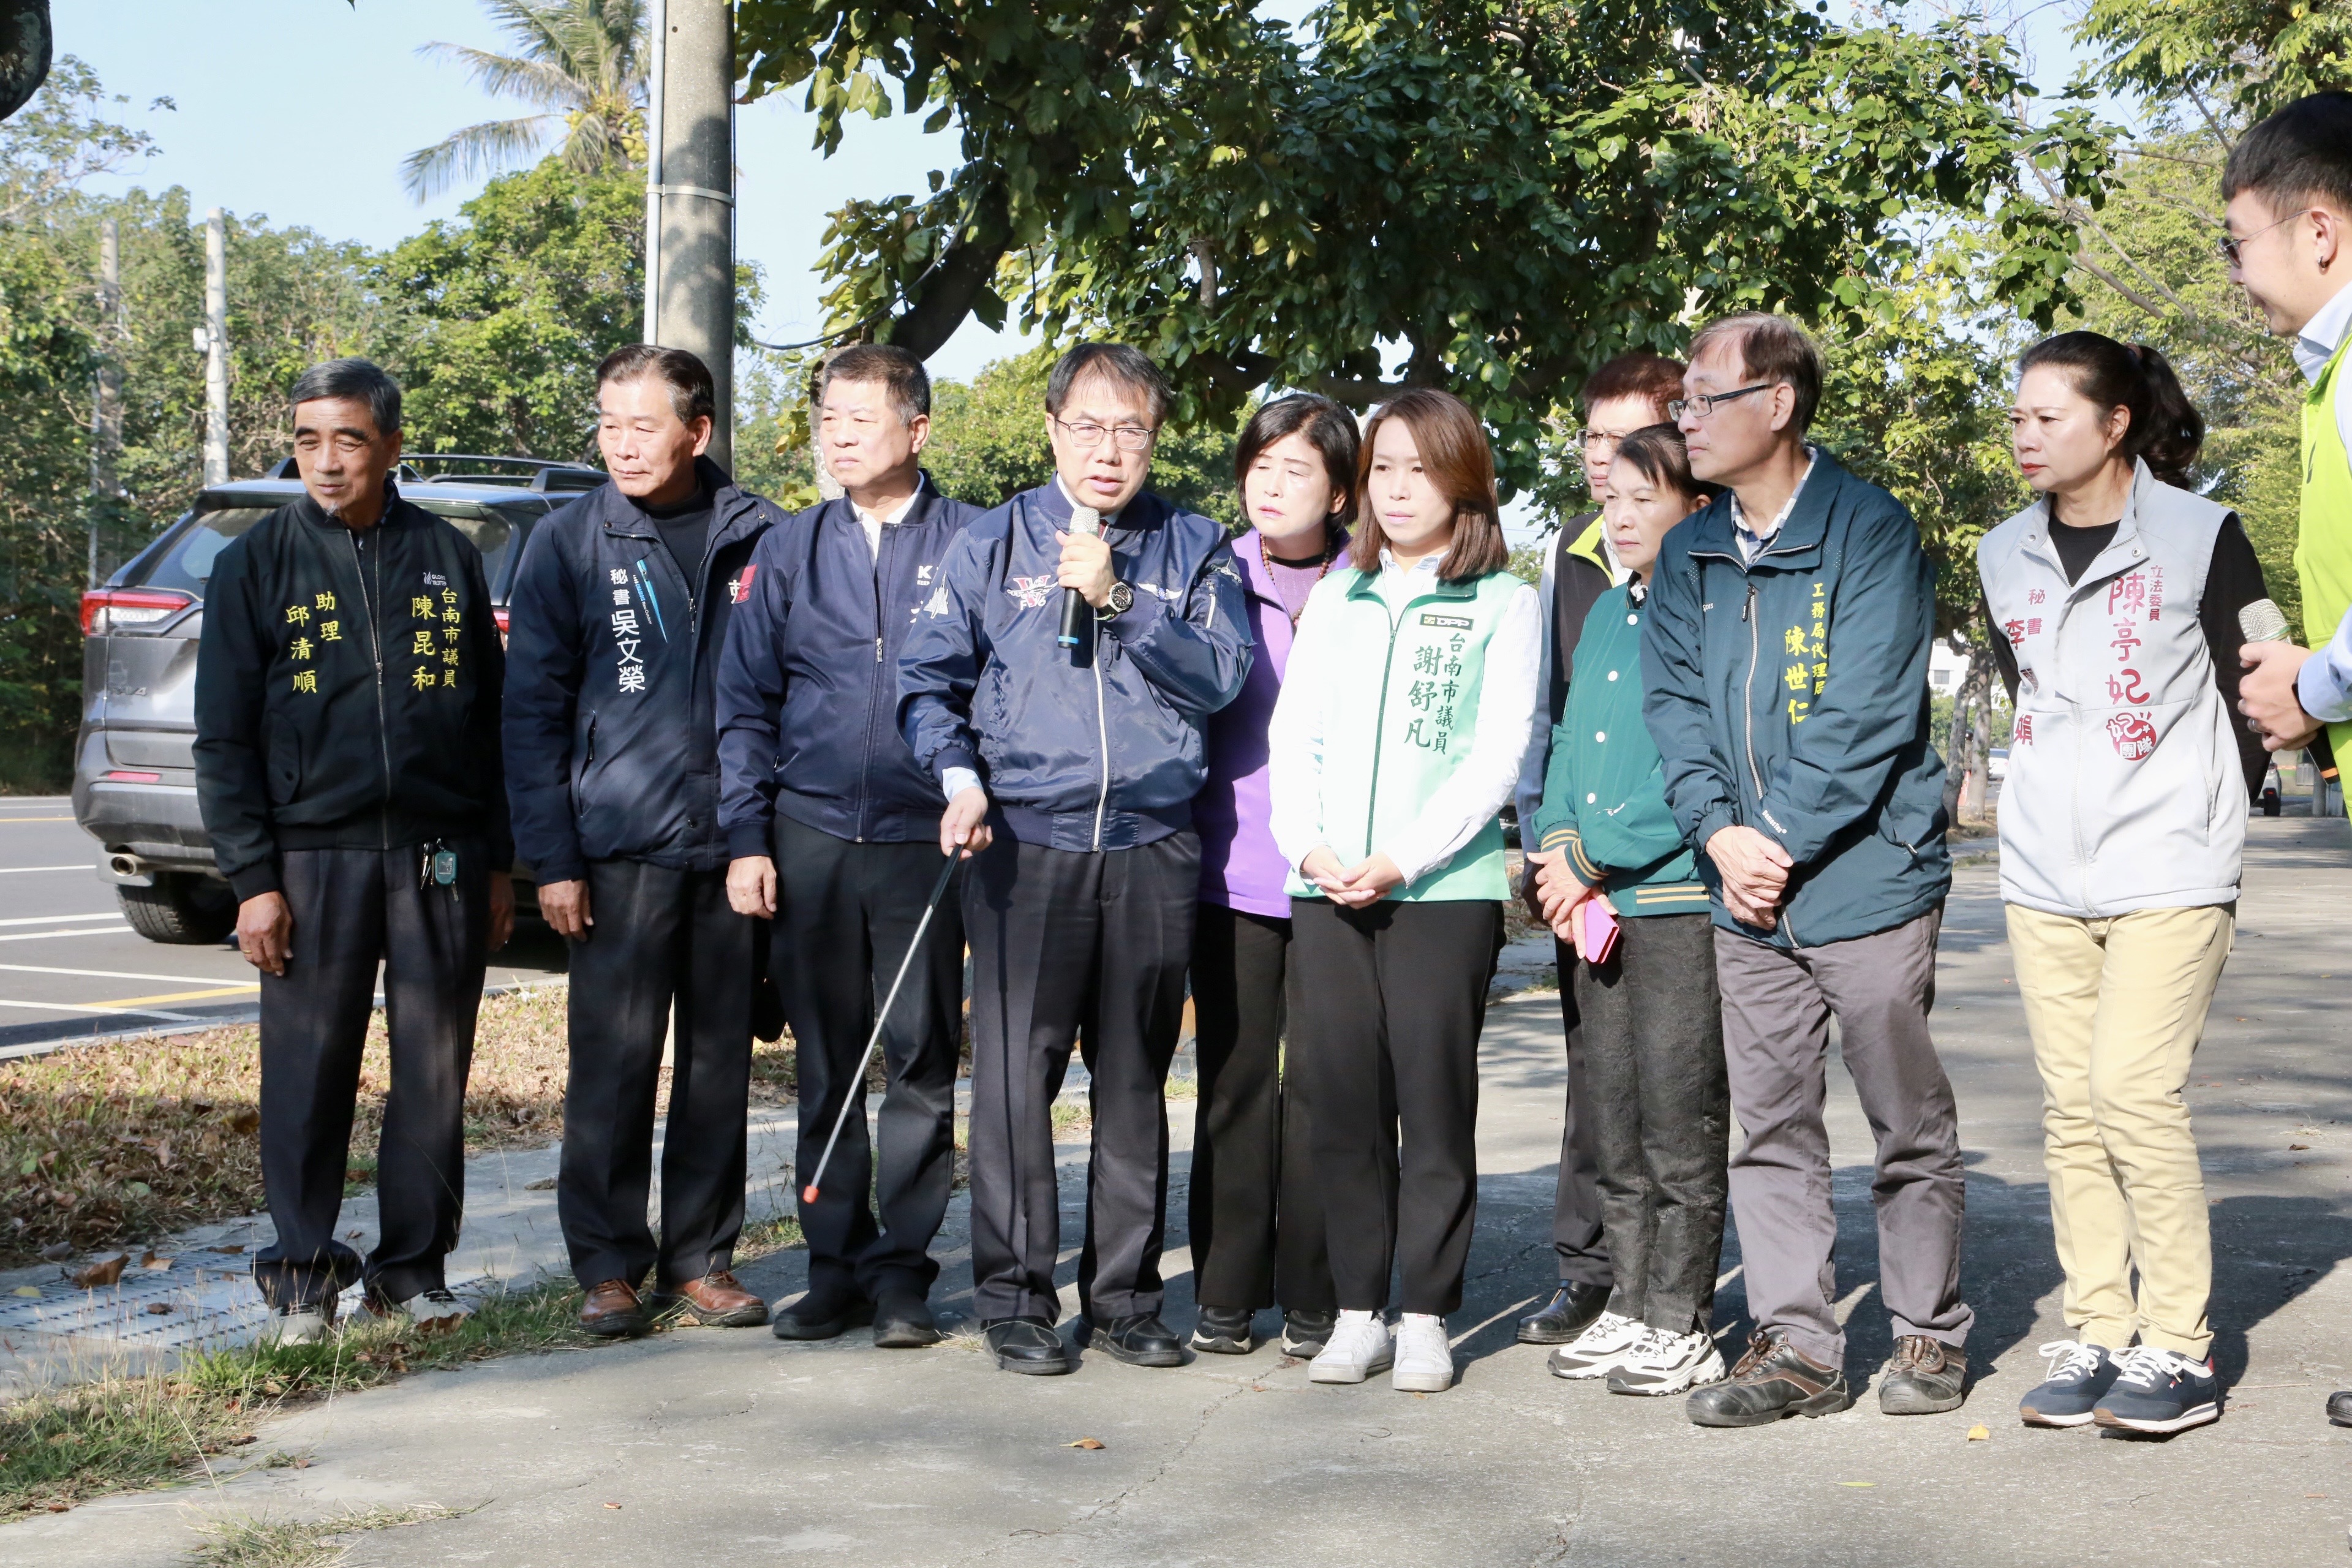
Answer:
(1070, 769)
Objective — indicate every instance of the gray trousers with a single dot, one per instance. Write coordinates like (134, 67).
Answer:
(1777, 1005)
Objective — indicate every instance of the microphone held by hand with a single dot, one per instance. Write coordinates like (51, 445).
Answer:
(2263, 621)
(1084, 520)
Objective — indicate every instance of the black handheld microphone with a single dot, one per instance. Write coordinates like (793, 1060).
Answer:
(1084, 520)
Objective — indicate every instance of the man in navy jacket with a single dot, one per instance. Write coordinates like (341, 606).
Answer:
(1072, 770)
(619, 610)
(830, 828)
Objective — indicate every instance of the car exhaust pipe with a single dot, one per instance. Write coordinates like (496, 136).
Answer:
(129, 871)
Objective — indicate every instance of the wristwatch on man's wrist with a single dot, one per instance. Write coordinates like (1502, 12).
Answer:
(1121, 600)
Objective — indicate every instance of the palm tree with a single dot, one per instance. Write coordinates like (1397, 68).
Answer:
(581, 63)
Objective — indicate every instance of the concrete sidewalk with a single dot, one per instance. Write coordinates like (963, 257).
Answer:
(731, 1446)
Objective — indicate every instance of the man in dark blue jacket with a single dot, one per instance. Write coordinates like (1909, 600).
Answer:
(1072, 769)
(618, 613)
(830, 826)
(1786, 664)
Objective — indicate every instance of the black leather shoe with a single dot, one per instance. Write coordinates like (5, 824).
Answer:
(1029, 1345)
(1304, 1334)
(1139, 1339)
(1925, 1377)
(826, 1312)
(903, 1321)
(1222, 1330)
(2339, 1408)
(1773, 1380)
(1570, 1311)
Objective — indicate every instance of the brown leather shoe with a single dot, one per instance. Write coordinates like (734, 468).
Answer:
(611, 1311)
(716, 1301)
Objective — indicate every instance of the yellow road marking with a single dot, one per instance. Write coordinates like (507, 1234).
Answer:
(181, 996)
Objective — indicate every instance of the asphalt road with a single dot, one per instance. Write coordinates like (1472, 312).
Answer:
(70, 964)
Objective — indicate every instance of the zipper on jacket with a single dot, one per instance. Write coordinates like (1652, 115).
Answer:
(1380, 717)
(873, 685)
(375, 641)
(1748, 743)
(1102, 739)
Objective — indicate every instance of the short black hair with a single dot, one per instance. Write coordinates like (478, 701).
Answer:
(2299, 157)
(1772, 350)
(1658, 454)
(1330, 430)
(1117, 363)
(1650, 376)
(692, 392)
(898, 371)
(362, 380)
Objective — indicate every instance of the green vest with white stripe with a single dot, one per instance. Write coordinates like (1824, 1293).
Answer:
(2322, 545)
(1401, 720)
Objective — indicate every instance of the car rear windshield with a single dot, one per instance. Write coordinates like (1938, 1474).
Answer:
(186, 564)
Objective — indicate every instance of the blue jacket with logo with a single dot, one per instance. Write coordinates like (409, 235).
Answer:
(808, 692)
(1096, 747)
(611, 752)
(1790, 694)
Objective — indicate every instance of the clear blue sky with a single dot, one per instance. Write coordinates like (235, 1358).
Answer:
(303, 109)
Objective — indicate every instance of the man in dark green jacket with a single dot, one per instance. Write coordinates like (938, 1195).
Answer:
(347, 766)
(1785, 664)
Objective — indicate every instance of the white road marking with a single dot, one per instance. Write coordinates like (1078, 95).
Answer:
(53, 920)
(86, 1007)
(84, 930)
(77, 865)
(110, 974)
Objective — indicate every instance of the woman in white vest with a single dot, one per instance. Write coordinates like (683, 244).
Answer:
(2113, 605)
(1396, 740)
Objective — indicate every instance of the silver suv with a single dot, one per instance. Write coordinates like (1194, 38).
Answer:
(134, 786)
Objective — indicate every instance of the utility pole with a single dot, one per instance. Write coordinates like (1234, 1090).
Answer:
(659, 29)
(106, 413)
(216, 347)
(692, 188)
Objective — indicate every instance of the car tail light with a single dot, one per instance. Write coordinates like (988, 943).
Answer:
(499, 614)
(125, 775)
(115, 609)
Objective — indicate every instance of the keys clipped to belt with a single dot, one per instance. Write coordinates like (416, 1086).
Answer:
(436, 867)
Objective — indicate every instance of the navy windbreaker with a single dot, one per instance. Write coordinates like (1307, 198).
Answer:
(611, 750)
(808, 690)
(1098, 747)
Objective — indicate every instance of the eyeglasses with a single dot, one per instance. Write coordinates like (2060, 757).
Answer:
(1700, 407)
(1088, 435)
(2230, 244)
(1599, 443)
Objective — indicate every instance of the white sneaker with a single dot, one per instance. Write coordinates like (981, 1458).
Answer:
(1358, 1348)
(298, 1325)
(430, 1312)
(1424, 1362)
(1664, 1362)
(1598, 1350)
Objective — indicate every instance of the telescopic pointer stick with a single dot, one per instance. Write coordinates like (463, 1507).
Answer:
(856, 1096)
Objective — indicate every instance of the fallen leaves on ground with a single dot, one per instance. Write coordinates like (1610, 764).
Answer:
(1979, 1434)
(1087, 1443)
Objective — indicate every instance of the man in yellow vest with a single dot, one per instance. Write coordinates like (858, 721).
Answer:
(2289, 187)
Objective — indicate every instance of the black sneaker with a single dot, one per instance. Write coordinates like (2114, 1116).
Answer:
(2079, 1377)
(1570, 1311)
(1773, 1380)
(1925, 1377)
(2160, 1392)
(2339, 1408)
(1304, 1334)
(1222, 1330)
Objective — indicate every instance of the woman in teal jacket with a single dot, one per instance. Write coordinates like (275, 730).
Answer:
(1652, 1023)
(1403, 716)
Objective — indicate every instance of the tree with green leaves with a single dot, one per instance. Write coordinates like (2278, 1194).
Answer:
(580, 63)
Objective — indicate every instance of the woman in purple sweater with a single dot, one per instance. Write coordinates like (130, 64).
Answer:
(1257, 1225)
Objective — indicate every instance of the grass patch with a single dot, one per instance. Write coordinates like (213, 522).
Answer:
(257, 1542)
(112, 1144)
(125, 1433)
(777, 1233)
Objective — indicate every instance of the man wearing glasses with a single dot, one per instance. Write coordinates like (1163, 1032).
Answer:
(1626, 393)
(1785, 659)
(1069, 769)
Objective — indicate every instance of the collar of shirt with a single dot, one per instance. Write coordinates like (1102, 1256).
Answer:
(2324, 334)
(1428, 564)
(1752, 545)
(874, 520)
(1108, 518)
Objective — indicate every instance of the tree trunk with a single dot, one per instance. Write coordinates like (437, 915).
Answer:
(1967, 741)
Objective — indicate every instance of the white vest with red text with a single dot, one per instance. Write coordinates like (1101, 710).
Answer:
(2125, 790)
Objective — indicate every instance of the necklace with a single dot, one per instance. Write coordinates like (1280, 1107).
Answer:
(1265, 559)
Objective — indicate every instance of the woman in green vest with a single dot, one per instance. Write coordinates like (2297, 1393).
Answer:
(1626, 891)
(1403, 715)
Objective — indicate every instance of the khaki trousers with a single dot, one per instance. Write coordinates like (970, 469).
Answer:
(2116, 1008)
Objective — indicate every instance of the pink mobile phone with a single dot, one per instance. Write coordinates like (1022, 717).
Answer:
(1600, 931)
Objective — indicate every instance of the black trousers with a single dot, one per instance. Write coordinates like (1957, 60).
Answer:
(1654, 1055)
(1086, 949)
(666, 956)
(1256, 1213)
(845, 913)
(1390, 1049)
(353, 908)
(1577, 1242)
